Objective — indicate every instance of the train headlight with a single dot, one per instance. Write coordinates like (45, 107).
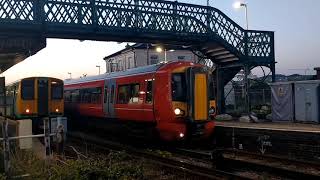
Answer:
(212, 110)
(181, 135)
(27, 110)
(57, 110)
(177, 111)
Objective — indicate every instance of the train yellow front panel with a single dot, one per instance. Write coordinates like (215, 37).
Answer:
(201, 97)
(56, 106)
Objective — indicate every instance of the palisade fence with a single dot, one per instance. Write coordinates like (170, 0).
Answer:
(257, 97)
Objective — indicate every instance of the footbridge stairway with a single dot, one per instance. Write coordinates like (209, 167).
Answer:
(25, 25)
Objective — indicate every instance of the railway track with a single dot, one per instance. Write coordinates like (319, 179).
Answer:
(207, 164)
(205, 170)
(234, 160)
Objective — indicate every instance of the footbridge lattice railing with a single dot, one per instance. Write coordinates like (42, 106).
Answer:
(150, 18)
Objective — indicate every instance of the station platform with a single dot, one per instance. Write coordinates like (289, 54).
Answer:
(277, 126)
(290, 140)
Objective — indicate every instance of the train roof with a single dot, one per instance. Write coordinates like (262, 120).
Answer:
(133, 71)
(14, 82)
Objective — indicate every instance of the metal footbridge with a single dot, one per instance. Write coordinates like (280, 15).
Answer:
(25, 25)
(212, 31)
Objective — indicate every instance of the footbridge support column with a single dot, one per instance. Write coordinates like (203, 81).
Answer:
(220, 90)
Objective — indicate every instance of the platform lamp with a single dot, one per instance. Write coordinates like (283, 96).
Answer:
(238, 5)
(70, 75)
(159, 50)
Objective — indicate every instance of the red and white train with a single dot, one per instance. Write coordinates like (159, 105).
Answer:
(172, 99)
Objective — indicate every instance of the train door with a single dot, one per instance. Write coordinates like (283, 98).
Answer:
(110, 85)
(42, 97)
(198, 93)
(105, 98)
(148, 101)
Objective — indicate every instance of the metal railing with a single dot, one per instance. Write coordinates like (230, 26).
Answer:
(135, 19)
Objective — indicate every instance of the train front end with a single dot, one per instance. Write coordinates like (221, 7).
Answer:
(191, 106)
(39, 97)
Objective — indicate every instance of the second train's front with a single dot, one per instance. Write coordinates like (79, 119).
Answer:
(190, 107)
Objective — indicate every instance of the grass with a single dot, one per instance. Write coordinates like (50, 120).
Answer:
(116, 165)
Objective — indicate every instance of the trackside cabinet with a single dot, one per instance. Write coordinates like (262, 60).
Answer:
(306, 94)
(282, 101)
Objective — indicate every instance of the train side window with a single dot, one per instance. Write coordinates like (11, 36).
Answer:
(75, 96)
(112, 94)
(149, 92)
(67, 96)
(128, 94)
(95, 95)
(82, 93)
(134, 98)
(123, 94)
(27, 89)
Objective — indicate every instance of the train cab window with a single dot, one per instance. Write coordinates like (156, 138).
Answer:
(56, 90)
(27, 89)
(178, 85)
(149, 92)
(211, 91)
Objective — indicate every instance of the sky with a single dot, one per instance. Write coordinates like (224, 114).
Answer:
(295, 22)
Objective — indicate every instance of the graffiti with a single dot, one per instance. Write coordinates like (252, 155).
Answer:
(264, 142)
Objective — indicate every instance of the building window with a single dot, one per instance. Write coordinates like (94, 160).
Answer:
(181, 57)
(130, 63)
(114, 67)
(128, 94)
(120, 65)
(154, 59)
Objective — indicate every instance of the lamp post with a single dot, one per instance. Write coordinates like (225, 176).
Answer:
(70, 75)
(238, 5)
(159, 50)
(99, 68)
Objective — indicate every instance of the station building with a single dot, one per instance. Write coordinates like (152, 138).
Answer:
(141, 54)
